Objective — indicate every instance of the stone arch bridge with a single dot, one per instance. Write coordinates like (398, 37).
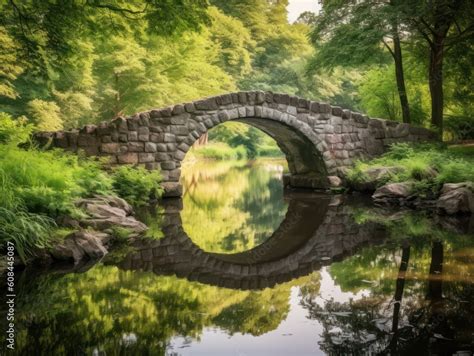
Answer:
(318, 139)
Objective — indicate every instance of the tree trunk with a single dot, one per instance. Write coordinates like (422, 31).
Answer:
(436, 83)
(399, 74)
(435, 281)
(400, 285)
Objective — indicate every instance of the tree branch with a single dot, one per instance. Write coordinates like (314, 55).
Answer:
(389, 48)
(118, 9)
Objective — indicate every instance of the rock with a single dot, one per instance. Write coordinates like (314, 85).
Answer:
(374, 177)
(106, 212)
(392, 193)
(80, 245)
(334, 181)
(172, 189)
(447, 187)
(456, 198)
(109, 200)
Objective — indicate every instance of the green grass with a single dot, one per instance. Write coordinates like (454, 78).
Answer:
(428, 166)
(38, 186)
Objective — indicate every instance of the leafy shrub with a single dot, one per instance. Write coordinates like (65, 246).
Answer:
(460, 127)
(14, 131)
(136, 184)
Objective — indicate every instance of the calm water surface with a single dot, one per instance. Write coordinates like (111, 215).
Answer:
(240, 267)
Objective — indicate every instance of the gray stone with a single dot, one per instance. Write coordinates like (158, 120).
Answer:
(392, 193)
(146, 157)
(78, 246)
(334, 181)
(172, 189)
(456, 198)
(128, 158)
(150, 147)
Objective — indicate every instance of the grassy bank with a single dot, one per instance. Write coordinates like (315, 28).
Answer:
(427, 166)
(37, 187)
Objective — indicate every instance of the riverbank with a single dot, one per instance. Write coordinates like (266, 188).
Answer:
(426, 176)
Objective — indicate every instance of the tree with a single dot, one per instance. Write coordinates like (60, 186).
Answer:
(442, 25)
(9, 66)
(354, 34)
(45, 115)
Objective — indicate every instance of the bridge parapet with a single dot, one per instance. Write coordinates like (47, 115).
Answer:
(318, 139)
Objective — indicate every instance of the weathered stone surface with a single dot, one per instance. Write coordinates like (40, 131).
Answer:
(456, 198)
(80, 245)
(334, 181)
(128, 158)
(392, 193)
(107, 212)
(172, 189)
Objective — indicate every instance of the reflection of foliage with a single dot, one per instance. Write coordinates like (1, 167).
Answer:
(348, 327)
(367, 325)
(257, 314)
(152, 217)
(240, 205)
(106, 308)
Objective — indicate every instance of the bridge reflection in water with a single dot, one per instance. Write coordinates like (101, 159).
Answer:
(317, 230)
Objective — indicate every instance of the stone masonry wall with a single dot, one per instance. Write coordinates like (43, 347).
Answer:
(160, 138)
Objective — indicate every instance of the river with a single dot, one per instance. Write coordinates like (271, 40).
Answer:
(239, 266)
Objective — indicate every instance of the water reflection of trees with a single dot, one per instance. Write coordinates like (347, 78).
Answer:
(240, 204)
(109, 311)
(418, 294)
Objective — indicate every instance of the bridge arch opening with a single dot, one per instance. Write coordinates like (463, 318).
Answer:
(306, 165)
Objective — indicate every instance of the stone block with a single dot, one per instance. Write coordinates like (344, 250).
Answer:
(206, 104)
(169, 138)
(144, 137)
(180, 130)
(136, 146)
(161, 147)
(128, 158)
(168, 165)
(150, 147)
(109, 148)
(146, 157)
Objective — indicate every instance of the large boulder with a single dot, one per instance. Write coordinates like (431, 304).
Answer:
(456, 198)
(108, 212)
(393, 193)
(80, 245)
(373, 177)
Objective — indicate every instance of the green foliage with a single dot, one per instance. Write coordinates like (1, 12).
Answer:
(45, 115)
(10, 68)
(428, 166)
(238, 135)
(219, 151)
(26, 230)
(136, 184)
(121, 233)
(14, 131)
(460, 127)
(48, 182)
